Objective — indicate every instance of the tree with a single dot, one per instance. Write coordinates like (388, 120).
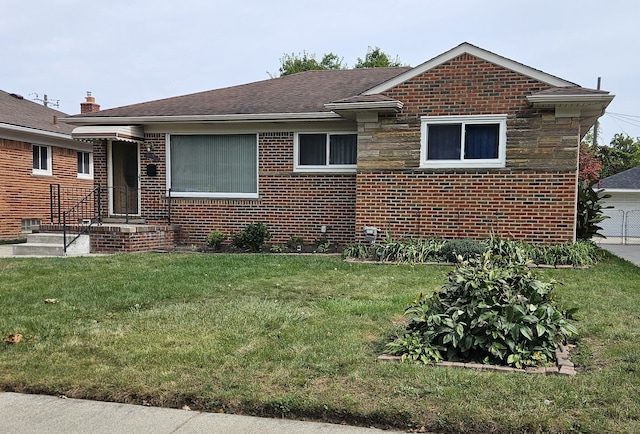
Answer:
(589, 164)
(292, 63)
(622, 153)
(376, 58)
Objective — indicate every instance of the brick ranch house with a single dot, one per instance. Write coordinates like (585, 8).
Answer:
(36, 150)
(465, 144)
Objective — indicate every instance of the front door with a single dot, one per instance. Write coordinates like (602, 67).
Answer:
(124, 170)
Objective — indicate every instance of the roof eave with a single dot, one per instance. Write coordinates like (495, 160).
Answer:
(230, 118)
(551, 101)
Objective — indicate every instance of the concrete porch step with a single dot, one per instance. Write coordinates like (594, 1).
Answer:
(52, 244)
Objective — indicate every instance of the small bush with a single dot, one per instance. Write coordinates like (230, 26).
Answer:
(294, 242)
(467, 248)
(215, 239)
(252, 237)
(492, 309)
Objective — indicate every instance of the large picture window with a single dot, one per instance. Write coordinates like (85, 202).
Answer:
(41, 160)
(463, 141)
(213, 165)
(315, 152)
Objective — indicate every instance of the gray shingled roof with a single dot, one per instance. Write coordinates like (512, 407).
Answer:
(305, 92)
(15, 110)
(629, 179)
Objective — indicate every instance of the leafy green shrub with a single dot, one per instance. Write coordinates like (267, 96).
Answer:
(590, 210)
(413, 251)
(492, 309)
(294, 242)
(322, 244)
(215, 239)
(252, 237)
(577, 254)
(357, 251)
(467, 248)
(275, 249)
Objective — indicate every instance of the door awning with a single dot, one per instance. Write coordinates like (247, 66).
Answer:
(127, 133)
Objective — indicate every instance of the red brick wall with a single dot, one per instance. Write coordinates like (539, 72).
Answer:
(292, 204)
(106, 239)
(24, 195)
(473, 203)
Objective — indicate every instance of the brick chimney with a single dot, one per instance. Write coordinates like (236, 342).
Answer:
(89, 106)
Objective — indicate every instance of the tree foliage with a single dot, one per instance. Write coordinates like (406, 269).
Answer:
(622, 153)
(292, 63)
(589, 164)
(295, 63)
(376, 58)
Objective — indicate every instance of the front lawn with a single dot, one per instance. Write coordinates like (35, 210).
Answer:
(298, 337)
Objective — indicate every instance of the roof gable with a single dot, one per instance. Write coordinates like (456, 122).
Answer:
(466, 48)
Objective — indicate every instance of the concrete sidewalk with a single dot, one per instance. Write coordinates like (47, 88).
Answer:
(630, 252)
(48, 414)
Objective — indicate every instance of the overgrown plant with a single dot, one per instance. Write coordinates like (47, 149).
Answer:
(590, 210)
(252, 237)
(492, 309)
(409, 251)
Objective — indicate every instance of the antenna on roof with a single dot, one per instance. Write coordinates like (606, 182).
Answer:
(46, 101)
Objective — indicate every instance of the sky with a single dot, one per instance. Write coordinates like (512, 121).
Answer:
(130, 51)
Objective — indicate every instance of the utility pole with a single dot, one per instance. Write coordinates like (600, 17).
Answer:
(46, 101)
(595, 126)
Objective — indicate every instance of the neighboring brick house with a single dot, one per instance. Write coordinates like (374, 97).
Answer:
(466, 144)
(36, 150)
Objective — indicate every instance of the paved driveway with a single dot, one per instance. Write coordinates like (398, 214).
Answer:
(630, 252)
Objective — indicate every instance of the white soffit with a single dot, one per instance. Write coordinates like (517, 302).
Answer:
(127, 133)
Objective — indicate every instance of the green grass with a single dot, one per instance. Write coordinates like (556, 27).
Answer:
(298, 337)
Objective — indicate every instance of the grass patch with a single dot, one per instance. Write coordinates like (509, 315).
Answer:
(298, 337)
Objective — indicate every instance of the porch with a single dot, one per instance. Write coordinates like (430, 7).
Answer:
(77, 213)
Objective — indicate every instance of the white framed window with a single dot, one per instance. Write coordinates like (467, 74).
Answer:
(85, 165)
(41, 160)
(217, 166)
(463, 141)
(325, 152)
